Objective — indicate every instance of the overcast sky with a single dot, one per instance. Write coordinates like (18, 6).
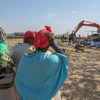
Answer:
(62, 15)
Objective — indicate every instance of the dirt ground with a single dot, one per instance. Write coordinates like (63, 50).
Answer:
(83, 82)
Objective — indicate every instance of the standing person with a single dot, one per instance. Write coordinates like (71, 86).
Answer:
(65, 36)
(41, 75)
(69, 44)
(19, 49)
(7, 87)
(62, 38)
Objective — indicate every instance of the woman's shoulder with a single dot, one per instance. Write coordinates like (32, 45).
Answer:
(51, 57)
(20, 46)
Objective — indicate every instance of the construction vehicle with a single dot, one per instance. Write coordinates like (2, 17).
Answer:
(84, 23)
(79, 47)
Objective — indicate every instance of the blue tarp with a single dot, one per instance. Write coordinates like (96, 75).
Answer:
(94, 43)
(40, 76)
(97, 43)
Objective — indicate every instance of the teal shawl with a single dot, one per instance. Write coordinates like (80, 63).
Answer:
(40, 76)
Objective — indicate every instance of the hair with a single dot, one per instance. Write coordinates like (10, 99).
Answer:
(43, 49)
(28, 38)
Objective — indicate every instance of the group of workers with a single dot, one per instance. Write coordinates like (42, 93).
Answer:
(66, 38)
(40, 73)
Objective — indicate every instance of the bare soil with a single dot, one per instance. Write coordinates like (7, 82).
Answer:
(83, 82)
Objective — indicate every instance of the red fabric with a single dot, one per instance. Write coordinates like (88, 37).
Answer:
(41, 40)
(49, 29)
(28, 34)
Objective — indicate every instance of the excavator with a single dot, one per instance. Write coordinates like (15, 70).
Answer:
(84, 23)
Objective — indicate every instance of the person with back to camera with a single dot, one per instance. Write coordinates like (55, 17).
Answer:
(19, 49)
(40, 75)
(26, 47)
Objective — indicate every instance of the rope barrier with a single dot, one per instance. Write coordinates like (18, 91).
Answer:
(76, 54)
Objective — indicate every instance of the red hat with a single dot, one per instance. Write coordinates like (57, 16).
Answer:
(41, 40)
(49, 29)
(28, 34)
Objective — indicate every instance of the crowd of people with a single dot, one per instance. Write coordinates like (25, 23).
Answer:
(66, 38)
(40, 73)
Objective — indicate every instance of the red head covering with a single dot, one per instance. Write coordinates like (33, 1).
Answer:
(49, 29)
(41, 40)
(28, 34)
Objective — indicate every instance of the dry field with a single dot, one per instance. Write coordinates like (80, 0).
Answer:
(83, 82)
